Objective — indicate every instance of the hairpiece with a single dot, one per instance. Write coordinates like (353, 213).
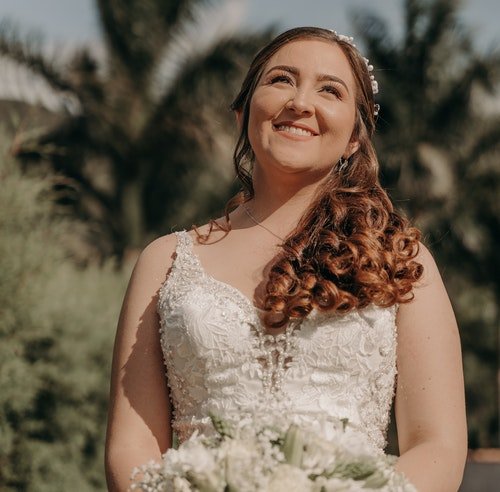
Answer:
(350, 40)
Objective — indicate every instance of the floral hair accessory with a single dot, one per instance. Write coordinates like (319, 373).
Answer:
(350, 40)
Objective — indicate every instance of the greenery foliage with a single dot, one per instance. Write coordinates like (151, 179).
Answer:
(439, 144)
(145, 127)
(56, 330)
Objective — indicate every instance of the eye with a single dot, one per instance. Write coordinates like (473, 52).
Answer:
(281, 78)
(331, 89)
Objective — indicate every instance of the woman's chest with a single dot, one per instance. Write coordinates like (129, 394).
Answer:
(213, 321)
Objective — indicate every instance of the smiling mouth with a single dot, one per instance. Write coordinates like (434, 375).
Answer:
(294, 130)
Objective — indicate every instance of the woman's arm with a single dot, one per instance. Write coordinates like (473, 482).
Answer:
(430, 404)
(139, 411)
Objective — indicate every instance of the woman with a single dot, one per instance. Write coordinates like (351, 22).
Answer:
(294, 300)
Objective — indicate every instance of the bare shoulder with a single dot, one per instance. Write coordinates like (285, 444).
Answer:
(155, 261)
(430, 305)
(159, 249)
(424, 255)
(431, 273)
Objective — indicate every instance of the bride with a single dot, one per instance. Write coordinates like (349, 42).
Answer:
(312, 297)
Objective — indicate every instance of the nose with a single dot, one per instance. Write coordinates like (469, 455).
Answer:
(300, 103)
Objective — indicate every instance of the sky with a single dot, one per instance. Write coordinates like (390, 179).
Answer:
(66, 24)
(75, 21)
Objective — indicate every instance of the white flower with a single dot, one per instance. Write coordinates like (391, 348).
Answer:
(355, 443)
(273, 453)
(243, 466)
(341, 485)
(180, 485)
(191, 456)
(319, 455)
(197, 463)
(288, 478)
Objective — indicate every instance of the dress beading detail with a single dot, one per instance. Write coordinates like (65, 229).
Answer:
(220, 359)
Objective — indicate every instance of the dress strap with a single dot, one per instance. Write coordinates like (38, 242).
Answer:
(184, 242)
(185, 259)
(183, 273)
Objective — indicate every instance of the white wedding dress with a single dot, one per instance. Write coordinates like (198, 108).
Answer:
(220, 360)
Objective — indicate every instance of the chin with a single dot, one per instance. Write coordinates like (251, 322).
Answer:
(301, 167)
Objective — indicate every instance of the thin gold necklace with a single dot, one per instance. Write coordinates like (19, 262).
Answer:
(261, 225)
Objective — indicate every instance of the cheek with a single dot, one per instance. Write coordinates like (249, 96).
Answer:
(263, 109)
(258, 114)
(338, 120)
(267, 103)
(254, 129)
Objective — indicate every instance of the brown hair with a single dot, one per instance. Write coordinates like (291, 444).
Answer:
(350, 248)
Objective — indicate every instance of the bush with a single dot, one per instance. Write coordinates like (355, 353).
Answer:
(57, 324)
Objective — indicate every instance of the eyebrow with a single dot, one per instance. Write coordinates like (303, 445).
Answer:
(322, 77)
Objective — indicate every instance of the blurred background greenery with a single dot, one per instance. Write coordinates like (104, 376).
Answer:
(140, 144)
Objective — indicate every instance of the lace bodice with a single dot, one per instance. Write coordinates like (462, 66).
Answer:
(220, 360)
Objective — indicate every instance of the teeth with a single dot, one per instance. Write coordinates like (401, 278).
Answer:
(295, 130)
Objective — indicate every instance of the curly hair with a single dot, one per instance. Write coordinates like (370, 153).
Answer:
(350, 248)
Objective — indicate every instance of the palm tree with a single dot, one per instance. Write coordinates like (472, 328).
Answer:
(438, 144)
(141, 141)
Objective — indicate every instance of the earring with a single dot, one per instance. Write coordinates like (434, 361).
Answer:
(342, 164)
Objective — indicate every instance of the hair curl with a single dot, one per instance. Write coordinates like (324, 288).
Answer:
(350, 248)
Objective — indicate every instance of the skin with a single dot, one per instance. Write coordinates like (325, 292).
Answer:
(429, 394)
(430, 403)
(307, 85)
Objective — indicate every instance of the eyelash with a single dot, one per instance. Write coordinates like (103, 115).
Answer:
(280, 78)
(331, 89)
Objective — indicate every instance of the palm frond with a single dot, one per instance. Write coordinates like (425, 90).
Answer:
(221, 64)
(442, 17)
(454, 107)
(413, 11)
(487, 142)
(136, 31)
(173, 14)
(27, 52)
(376, 34)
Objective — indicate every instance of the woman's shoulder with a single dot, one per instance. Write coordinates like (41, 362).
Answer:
(164, 247)
(159, 249)
(156, 259)
(429, 292)
(430, 268)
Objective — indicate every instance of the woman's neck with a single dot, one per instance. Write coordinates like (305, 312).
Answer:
(279, 203)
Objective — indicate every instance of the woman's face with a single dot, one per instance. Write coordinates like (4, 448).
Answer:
(302, 112)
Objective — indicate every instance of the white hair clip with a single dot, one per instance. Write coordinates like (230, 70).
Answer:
(350, 40)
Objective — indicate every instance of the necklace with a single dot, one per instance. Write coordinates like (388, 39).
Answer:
(250, 215)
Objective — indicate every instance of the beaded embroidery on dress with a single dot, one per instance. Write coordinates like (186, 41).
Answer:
(220, 360)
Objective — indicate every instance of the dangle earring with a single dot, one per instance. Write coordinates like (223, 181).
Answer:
(342, 164)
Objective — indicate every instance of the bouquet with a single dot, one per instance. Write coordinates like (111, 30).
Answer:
(269, 455)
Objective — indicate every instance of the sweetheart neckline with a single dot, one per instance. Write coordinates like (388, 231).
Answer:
(250, 307)
(190, 250)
